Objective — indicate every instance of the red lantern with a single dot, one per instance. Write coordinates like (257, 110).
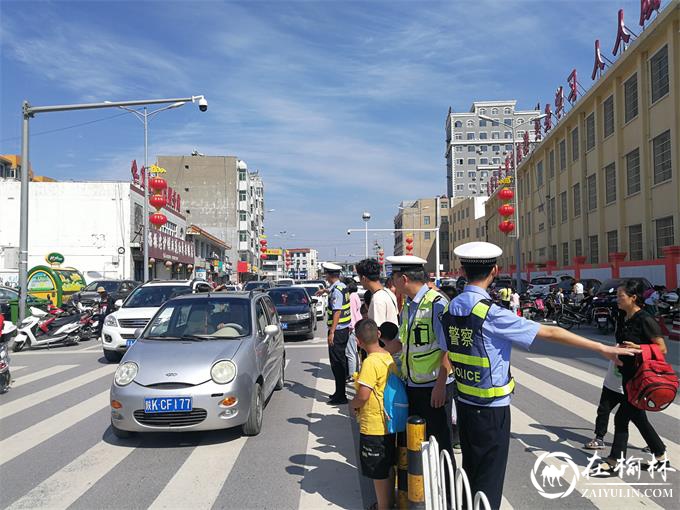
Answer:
(263, 242)
(263, 256)
(158, 183)
(158, 201)
(158, 219)
(409, 240)
(506, 226)
(506, 210)
(506, 194)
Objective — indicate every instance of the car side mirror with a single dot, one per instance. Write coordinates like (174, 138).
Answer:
(118, 303)
(138, 332)
(271, 330)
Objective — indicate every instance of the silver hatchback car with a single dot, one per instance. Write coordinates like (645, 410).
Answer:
(204, 362)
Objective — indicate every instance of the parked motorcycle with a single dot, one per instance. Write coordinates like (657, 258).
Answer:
(569, 315)
(42, 329)
(604, 318)
(532, 308)
(8, 331)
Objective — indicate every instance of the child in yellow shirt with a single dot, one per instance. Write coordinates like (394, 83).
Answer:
(377, 447)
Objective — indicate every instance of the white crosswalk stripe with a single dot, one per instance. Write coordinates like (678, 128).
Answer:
(592, 379)
(32, 436)
(40, 374)
(15, 406)
(64, 487)
(580, 407)
(13, 368)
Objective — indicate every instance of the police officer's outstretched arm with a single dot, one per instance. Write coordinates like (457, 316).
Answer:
(562, 336)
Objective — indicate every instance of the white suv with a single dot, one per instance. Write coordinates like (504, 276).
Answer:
(118, 331)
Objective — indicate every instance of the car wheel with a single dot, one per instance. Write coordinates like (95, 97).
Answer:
(254, 424)
(282, 377)
(112, 356)
(310, 333)
(120, 434)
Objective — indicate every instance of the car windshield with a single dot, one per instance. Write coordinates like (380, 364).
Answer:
(255, 285)
(154, 296)
(543, 281)
(311, 289)
(108, 285)
(200, 319)
(289, 297)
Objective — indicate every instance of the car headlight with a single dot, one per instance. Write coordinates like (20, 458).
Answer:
(302, 316)
(223, 372)
(126, 373)
(111, 321)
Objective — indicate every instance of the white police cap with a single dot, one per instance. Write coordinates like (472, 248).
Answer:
(401, 263)
(330, 268)
(477, 253)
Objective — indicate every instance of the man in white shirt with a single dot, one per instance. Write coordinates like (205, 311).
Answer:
(383, 306)
(578, 292)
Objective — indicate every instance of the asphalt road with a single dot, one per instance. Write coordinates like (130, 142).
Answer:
(57, 451)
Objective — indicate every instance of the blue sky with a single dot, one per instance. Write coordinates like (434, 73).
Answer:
(340, 105)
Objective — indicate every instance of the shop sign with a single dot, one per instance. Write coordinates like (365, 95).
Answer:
(54, 258)
(163, 246)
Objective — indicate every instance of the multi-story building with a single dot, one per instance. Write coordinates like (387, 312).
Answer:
(211, 261)
(476, 147)
(467, 223)
(224, 198)
(599, 196)
(422, 214)
(303, 263)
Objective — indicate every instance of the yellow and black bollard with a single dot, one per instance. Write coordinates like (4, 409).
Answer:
(402, 472)
(415, 432)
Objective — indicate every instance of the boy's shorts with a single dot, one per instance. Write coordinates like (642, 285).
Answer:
(378, 455)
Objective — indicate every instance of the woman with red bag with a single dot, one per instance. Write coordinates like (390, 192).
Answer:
(636, 327)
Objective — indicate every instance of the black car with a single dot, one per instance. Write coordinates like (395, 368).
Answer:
(118, 289)
(295, 309)
(254, 284)
(606, 294)
(501, 282)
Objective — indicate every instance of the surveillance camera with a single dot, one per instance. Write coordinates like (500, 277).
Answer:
(203, 104)
(349, 232)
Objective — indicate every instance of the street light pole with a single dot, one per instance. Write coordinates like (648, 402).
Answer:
(436, 237)
(366, 216)
(28, 112)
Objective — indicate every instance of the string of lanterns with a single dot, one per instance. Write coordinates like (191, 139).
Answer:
(381, 257)
(506, 210)
(409, 244)
(158, 199)
(263, 248)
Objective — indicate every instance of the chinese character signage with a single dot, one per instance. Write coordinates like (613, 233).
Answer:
(622, 34)
(173, 199)
(599, 63)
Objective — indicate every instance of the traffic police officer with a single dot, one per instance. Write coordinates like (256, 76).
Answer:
(338, 320)
(479, 339)
(424, 365)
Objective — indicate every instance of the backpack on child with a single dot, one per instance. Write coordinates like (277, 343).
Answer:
(655, 383)
(395, 403)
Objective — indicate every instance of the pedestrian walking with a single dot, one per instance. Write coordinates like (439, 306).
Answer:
(505, 294)
(383, 303)
(637, 327)
(612, 395)
(578, 292)
(479, 340)
(514, 301)
(422, 343)
(339, 316)
(106, 307)
(355, 310)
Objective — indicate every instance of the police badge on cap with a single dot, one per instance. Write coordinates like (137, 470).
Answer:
(478, 253)
(330, 268)
(402, 263)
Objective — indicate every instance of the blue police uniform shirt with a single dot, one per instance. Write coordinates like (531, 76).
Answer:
(438, 308)
(335, 302)
(501, 329)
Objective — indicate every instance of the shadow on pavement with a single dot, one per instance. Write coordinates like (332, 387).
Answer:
(185, 439)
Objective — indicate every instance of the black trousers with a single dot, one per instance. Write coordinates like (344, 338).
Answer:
(338, 359)
(626, 414)
(437, 420)
(608, 401)
(485, 442)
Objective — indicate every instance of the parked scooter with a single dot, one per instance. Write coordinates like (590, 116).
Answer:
(569, 315)
(604, 318)
(7, 332)
(42, 329)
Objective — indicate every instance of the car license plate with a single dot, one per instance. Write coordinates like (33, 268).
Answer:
(129, 342)
(284, 325)
(601, 319)
(168, 405)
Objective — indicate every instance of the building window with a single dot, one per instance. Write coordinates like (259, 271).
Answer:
(242, 216)
(590, 131)
(459, 148)
(482, 111)
(539, 174)
(484, 174)
(630, 98)
(664, 234)
(507, 122)
(471, 148)
(472, 174)
(610, 184)
(551, 164)
(591, 185)
(483, 148)
(496, 161)
(459, 187)
(496, 148)
(612, 241)
(495, 135)
(483, 161)
(458, 136)
(574, 144)
(507, 135)
(507, 111)
(470, 136)
(471, 161)
(242, 236)
(472, 186)
(661, 149)
(578, 248)
(482, 123)
(460, 175)
(563, 155)
(519, 121)
(563, 206)
(551, 211)
(460, 161)
(565, 254)
(540, 253)
(494, 111)
(635, 242)
(529, 223)
(553, 252)
(577, 199)
(483, 135)
(242, 195)
(633, 172)
(426, 220)
(427, 236)
(508, 146)
(458, 124)
(608, 116)
(470, 123)
(659, 74)
(593, 249)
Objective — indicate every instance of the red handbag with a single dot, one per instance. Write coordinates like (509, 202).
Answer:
(655, 383)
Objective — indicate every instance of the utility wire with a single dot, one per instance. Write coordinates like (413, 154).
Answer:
(66, 127)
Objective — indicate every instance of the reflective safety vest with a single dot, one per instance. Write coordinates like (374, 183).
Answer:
(471, 363)
(420, 355)
(345, 312)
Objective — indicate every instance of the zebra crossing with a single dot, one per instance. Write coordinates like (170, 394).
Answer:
(305, 457)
